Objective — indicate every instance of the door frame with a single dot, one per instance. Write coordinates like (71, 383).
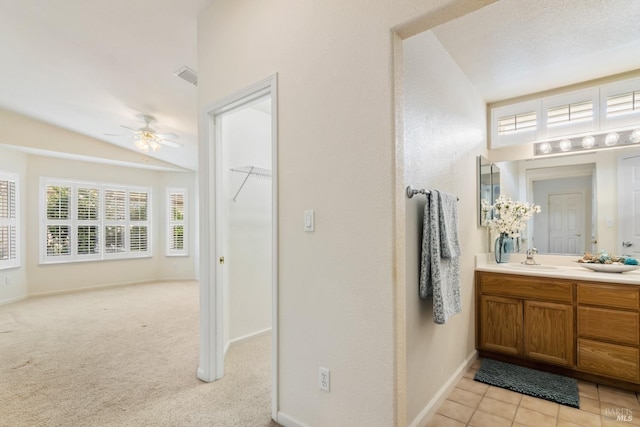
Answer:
(211, 355)
(623, 203)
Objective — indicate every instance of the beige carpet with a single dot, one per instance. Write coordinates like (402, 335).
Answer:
(123, 356)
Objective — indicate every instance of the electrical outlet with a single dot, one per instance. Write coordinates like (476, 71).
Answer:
(325, 379)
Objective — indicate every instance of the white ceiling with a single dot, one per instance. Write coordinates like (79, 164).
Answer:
(517, 47)
(91, 66)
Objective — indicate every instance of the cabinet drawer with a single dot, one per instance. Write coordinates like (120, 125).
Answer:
(610, 360)
(611, 325)
(608, 295)
(527, 287)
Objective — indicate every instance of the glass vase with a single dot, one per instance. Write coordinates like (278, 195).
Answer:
(503, 248)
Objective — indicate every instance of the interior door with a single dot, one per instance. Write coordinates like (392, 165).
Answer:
(629, 197)
(566, 223)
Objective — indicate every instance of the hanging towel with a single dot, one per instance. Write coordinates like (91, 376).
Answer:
(440, 264)
(448, 219)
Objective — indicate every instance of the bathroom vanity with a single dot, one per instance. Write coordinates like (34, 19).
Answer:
(563, 319)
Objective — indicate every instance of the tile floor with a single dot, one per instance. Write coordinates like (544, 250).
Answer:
(476, 404)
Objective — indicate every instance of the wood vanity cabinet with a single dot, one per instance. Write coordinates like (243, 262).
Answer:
(526, 317)
(608, 330)
(590, 330)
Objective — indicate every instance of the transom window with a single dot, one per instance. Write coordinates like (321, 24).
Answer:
(570, 113)
(625, 103)
(93, 221)
(517, 122)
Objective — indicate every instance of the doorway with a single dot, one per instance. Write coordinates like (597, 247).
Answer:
(238, 224)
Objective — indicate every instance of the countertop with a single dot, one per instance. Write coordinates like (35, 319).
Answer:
(553, 266)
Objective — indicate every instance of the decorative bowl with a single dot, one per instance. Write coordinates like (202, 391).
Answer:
(608, 268)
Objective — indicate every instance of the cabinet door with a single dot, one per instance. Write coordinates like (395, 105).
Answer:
(548, 332)
(501, 324)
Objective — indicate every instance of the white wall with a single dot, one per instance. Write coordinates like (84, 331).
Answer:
(340, 299)
(445, 131)
(13, 281)
(246, 136)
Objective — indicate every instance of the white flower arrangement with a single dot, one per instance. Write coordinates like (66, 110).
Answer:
(509, 217)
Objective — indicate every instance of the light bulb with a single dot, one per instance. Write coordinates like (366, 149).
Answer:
(565, 144)
(142, 145)
(635, 136)
(588, 142)
(545, 148)
(611, 138)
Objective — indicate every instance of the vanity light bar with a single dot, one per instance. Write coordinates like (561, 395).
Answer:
(590, 142)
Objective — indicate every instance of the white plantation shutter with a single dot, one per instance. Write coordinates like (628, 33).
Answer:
(177, 219)
(517, 122)
(9, 251)
(570, 113)
(58, 230)
(115, 221)
(93, 221)
(88, 219)
(624, 103)
(138, 217)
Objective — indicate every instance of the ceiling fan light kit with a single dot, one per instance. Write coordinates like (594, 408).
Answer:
(146, 138)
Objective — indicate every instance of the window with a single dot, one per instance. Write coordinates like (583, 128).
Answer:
(620, 104)
(624, 103)
(517, 122)
(9, 217)
(177, 220)
(93, 221)
(570, 113)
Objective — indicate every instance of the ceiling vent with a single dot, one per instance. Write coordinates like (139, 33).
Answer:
(188, 75)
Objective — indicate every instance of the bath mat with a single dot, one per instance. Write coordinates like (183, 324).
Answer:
(552, 387)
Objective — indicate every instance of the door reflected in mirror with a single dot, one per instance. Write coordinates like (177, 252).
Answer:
(565, 195)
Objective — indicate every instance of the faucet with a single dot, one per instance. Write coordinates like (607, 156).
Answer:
(530, 253)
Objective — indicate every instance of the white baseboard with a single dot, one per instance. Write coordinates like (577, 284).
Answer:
(244, 338)
(428, 411)
(288, 421)
(105, 286)
(14, 299)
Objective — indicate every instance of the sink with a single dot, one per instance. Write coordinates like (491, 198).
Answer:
(532, 266)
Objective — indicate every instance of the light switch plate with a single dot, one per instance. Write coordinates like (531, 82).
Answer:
(309, 220)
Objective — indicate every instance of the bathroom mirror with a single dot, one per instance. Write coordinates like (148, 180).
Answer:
(591, 181)
(488, 186)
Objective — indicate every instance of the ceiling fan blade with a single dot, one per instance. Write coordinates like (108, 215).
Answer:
(171, 143)
(167, 135)
(131, 129)
(113, 134)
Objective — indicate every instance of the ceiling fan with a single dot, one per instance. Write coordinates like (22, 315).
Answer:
(146, 138)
